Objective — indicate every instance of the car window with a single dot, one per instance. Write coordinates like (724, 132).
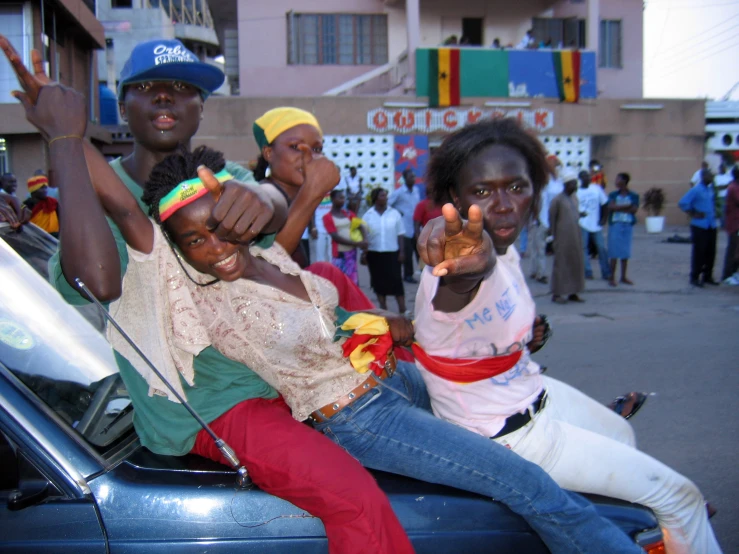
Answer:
(58, 355)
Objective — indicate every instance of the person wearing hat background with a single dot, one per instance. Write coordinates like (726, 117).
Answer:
(44, 210)
(568, 271)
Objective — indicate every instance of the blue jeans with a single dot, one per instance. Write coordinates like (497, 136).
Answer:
(391, 428)
(605, 269)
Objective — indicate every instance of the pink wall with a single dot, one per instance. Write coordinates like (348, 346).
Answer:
(262, 26)
(263, 68)
(627, 82)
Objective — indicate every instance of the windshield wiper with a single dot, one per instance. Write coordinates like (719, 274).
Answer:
(242, 475)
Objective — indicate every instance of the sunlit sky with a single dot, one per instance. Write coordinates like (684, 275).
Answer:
(691, 48)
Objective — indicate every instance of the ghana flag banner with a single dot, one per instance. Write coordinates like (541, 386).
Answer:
(444, 77)
(567, 74)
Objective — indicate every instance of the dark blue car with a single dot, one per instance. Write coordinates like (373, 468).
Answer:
(75, 479)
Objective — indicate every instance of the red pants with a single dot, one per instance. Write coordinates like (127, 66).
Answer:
(292, 461)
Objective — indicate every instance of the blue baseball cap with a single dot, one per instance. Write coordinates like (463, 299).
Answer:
(168, 60)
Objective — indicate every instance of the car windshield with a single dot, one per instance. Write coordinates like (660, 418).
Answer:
(58, 354)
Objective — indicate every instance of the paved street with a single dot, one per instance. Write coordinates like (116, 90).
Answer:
(664, 337)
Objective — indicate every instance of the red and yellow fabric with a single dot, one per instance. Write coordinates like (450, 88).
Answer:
(444, 81)
(567, 73)
(44, 214)
(466, 370)
(370, 342)
(36, 182)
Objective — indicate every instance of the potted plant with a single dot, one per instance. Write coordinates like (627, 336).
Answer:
(653, 202)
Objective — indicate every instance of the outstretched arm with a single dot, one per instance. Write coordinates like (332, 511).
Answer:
(460, 252)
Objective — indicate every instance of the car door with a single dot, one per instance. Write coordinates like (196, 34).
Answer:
(40, 509)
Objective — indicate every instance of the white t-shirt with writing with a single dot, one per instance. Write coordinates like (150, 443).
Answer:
(499, 321)
(590, 200)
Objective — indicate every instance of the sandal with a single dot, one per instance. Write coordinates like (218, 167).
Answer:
(626, 406)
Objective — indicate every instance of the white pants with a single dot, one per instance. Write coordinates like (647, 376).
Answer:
(538, 248)
(588, 448)
(322, 248)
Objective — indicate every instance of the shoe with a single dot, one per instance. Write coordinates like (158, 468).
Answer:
(611, 283)
(710, 282)
(696, 283)
(410, 280)
(575, 298)
(558, 300)
(543, 280)
(627, 281)
(627, 405)
(733, 281)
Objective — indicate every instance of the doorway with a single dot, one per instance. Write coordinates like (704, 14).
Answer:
(472, 30)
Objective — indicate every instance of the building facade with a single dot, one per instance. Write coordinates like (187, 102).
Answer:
(660, 143)
(288, 48)
(68, 37)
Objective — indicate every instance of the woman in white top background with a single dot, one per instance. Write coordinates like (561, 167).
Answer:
(385, 252)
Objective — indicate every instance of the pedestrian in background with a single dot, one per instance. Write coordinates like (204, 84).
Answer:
(731, 224)
(568, 275)
(44, 210)
(622, 207)
(385, 250)
(699, 204)
(405, 199)
(541, 226)
(338, 223)
(8, 184)
(593, 201)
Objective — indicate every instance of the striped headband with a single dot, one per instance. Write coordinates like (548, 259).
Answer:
(186, 193)
(36, 182)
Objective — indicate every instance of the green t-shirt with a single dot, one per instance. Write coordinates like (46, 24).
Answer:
(164, 426)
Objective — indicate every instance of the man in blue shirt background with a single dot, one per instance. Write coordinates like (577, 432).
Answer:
(404, 199)
(699, 204)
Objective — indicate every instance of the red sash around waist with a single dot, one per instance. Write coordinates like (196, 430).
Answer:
(466, 370)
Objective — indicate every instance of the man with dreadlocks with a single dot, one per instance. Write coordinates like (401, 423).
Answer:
(163, 103)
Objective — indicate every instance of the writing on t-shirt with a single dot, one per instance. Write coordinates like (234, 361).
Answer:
(505, 306)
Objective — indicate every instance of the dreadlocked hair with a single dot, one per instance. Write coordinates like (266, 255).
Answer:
(175, 168)
(459, 147)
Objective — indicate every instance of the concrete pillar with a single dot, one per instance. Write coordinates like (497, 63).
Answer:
(413, 28)
(593, 27)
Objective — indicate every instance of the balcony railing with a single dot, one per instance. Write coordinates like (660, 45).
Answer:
(380, 80)
(188, 12)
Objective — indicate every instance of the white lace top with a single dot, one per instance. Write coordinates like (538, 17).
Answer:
(285, 340)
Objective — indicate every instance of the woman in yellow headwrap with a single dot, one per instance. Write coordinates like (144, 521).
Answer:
(291, 157)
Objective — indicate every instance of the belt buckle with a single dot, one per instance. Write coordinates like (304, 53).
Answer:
(390, 364)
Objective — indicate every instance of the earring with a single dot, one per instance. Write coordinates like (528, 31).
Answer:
(267, 172)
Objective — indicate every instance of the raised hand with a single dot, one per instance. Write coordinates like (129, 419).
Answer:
(58, 113)
(320, 175)
(454, 247)
(30, 82)
(241, 211)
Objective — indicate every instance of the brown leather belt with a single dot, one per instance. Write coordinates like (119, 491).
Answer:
(330, 410)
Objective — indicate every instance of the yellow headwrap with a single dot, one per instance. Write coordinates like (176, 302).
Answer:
(275, 122)
(36, 182)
